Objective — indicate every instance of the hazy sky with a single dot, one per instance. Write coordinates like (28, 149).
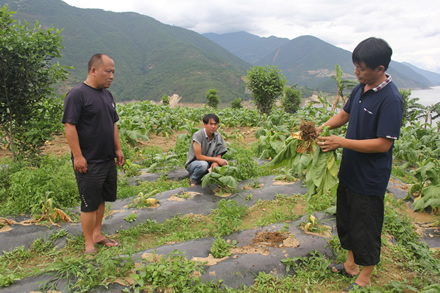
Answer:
(412, 28)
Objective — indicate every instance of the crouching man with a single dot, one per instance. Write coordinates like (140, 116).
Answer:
(206, 150)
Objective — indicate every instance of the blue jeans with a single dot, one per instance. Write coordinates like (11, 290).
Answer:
(198, 169)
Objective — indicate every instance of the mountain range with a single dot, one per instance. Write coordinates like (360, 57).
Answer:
(153, 59)
(309, 61)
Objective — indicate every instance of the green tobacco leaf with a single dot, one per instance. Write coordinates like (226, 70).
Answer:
(276, 145)
(286, 157)
(428, 172)
(332, 165)
(431, 197)
(229, 181)
(300, 164)
(322, 172)
(433, 202)
(317, 168)
(414, 188)
(209, 178)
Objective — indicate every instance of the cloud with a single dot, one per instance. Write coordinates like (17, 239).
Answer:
(412, 28)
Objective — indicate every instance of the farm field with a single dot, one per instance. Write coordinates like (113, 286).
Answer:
(211, 238)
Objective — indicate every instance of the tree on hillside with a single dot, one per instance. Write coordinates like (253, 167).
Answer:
(26, 74)
(266, 85)
(213, 98)
(292, 99)
(236, 104)
(165, 100)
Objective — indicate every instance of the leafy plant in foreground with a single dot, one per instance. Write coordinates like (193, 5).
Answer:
(84, 274)
(427, 185)
(301, 152)
(53, 175)
(52, 213)
(131, 217)
(314, 266)
(224, 177)
(173, 272)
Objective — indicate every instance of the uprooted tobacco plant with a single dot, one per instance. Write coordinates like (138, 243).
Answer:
(302, 154)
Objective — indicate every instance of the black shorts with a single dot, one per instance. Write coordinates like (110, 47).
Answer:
(99, 184)
(359, 220)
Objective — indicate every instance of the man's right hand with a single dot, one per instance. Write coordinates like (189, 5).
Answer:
(221, 162)
(80, 164)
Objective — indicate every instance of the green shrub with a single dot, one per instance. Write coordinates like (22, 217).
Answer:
(236, 104)
(29, 187)
(165, 100)
(213, 99)
(291, 99)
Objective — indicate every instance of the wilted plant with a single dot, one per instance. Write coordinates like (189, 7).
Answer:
(145, 200)
(51, 213)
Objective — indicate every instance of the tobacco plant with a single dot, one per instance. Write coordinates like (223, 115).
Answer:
(224, 176)
(303, 155)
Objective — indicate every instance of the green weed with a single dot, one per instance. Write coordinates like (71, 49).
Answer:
(53, 175)
(18, 255)
(59, 234)
(40, 246)
(228, 216)
(173, 272)
(279, 210)
(83, 274)
(220, 247)
(131, 217)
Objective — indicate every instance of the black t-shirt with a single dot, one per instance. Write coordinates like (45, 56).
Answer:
(94, 114)
(373, 114)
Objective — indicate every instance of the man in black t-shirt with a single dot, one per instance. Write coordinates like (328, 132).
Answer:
(90, 125)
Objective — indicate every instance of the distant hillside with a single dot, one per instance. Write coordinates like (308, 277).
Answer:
(152, 59)
(247, 46)
(309, 61)
(433, 77)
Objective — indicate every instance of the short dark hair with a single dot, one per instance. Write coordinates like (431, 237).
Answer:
(209, 117)
(374, 52)
(95, 60)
